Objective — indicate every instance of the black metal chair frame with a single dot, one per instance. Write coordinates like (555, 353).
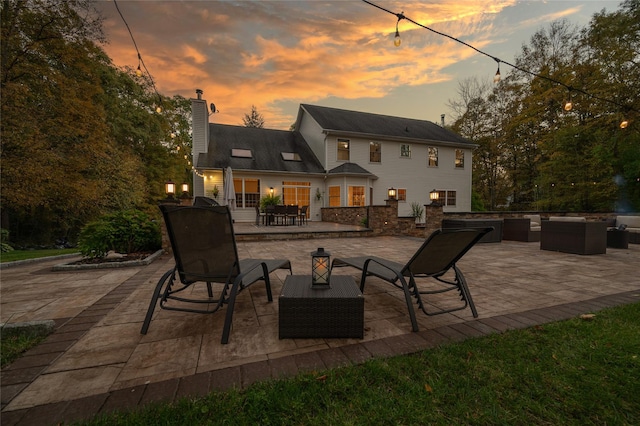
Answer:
(233, 274)
(432, 260)
(302, 215)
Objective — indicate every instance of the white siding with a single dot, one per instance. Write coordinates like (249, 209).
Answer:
(200, 139)
(412, 174)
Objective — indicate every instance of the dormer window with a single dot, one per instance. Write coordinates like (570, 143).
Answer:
(241, 153)
(290, 156)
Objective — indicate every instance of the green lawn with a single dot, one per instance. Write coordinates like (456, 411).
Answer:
(12, 256)
(581, 372)
(15, 341)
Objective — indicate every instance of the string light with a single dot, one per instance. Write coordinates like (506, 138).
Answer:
(496, 78)
(139, 70)
(396, 40)
(140, 60)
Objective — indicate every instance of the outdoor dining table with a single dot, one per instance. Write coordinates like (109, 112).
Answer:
(282, 214)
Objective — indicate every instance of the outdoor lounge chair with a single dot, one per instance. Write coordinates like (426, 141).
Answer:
(204, 248)
(200, 201)
(437, 255)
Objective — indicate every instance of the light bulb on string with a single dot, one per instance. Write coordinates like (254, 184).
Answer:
(568, 105)
(496, 78)
(139, 70)
(624, 123)
(397, 40)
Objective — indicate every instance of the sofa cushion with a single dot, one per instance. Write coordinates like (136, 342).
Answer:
(535, 221)
(630, 221)
(567, 219)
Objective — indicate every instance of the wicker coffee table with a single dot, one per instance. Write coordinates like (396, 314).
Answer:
(320, 313)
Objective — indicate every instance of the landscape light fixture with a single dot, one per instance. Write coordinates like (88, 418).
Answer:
(271, 191)
(320, 271)
(185, 188)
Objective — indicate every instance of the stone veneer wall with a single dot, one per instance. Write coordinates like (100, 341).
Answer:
(383, 220)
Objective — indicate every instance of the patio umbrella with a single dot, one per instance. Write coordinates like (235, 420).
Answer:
(229, 191)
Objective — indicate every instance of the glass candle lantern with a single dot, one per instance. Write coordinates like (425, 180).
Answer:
(320, 271)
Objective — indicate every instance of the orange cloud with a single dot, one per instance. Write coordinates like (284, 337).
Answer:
(267, 53)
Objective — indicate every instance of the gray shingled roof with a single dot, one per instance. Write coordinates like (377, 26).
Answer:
(351, 169)
(333, 120)
(266, 147)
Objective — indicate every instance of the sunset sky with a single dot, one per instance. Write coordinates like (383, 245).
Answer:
(278, 54)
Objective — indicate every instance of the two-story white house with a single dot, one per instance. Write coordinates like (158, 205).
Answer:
(334, 157)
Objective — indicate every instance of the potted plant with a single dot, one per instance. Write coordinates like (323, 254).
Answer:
(269, 200)
(416, 211)
(215, 191)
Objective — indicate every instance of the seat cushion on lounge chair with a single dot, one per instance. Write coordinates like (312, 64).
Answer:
(567, 219)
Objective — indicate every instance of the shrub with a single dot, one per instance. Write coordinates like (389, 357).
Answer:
(127, 231)
(417, 210)
(4, 241)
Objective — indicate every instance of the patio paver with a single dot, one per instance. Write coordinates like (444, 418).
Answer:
(96, 360)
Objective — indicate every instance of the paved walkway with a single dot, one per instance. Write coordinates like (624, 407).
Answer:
(97, 361)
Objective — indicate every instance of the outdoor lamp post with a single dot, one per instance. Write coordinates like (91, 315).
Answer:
(271, 191)
(320, 271)
(185, 198)
(391, 193)
(170, 189)
(434, 196)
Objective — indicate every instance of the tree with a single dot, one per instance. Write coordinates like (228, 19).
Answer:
(93, 143)
(255, 119)
(549, 158)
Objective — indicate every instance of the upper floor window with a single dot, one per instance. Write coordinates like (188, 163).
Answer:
(375, 152)
(343, 149)
(459, 159)
(405, 150)
(433, 156)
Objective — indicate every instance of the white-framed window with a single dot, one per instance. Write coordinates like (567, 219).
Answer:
(343, 149)
(356, 196)
(247, 192)
(446, 198)
(375, 152)
(405, 150)
(433, 157)
(297, 193)
(459, 159)
(334, 196)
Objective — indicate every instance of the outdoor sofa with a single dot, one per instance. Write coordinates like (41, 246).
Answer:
(573, 235)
